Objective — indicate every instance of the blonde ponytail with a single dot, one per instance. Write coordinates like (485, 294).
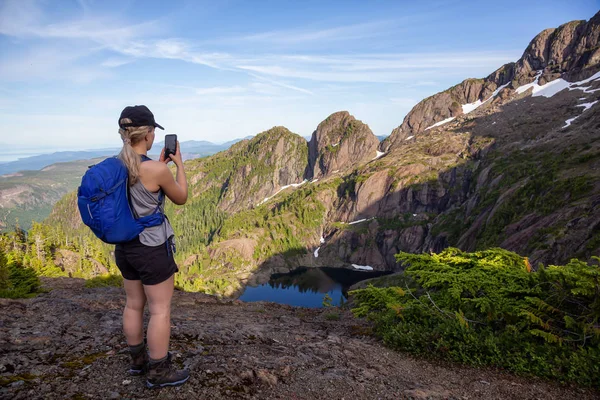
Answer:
(131, 136)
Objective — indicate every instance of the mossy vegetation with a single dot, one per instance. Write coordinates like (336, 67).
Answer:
(7, 380)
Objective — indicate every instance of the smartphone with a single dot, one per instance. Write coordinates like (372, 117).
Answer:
(170, 145)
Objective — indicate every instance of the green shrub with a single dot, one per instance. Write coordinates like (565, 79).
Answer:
(327, 300)
(21, 282)
(489, 308)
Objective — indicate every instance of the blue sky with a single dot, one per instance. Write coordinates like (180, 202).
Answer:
(221, 70)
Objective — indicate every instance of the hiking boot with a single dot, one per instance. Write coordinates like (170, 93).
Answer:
(164, 373)
(139, 362)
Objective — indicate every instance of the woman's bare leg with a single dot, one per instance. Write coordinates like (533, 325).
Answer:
(159, 328)
(133, 314)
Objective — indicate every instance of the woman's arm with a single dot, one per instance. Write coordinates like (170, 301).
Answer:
(175, 188)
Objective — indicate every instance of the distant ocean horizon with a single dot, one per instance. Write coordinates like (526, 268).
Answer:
(18, 154)
(8, 157)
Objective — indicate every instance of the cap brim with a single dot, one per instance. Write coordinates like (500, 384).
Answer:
(158, 126)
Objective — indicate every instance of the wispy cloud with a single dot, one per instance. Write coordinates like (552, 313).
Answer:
(339, 33)
(24, 18)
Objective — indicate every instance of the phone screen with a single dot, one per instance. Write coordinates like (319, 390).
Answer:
(170, 145)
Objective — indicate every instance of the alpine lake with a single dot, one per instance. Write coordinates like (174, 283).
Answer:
(308, 287)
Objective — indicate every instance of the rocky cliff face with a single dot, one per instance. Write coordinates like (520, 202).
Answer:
(338, 144)
(251, 170)
(570, 51)
(269, 161)
(447, 104)
(566, 50)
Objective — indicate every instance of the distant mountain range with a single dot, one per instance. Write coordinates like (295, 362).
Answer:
(190, 149)
(29, 187)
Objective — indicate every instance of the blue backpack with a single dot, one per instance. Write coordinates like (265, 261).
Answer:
(103, 202)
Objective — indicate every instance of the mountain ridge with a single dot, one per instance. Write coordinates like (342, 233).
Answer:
(506, 173)
(566, 51)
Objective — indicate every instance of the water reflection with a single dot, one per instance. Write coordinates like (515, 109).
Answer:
(307, 287)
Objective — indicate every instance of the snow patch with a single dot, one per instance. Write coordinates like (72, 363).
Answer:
(586, 106)
(357, 222)
(569, 121)
(360, 220)
(594, 77)
(322, 240)
(283, 188)
(317, 252)
(314, 180)
(363, 267)
(408, 138)
(440, 123)
(585, 89)
(467, 108)
(557, 85)
(333, 145)
(524, 88)
(379, 154)
(494, 123)
(551, 88)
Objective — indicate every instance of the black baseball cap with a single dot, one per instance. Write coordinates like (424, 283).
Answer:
(139, 116)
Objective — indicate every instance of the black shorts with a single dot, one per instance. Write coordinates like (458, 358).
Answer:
(150, 264)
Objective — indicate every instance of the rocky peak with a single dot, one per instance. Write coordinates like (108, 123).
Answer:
(340, 142)
(565, 49)
(261, 166)
(447, 104)
(570, 51)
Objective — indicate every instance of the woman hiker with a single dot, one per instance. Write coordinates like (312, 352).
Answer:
(146, 262)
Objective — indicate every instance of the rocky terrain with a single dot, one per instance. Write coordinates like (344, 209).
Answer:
(67, 343)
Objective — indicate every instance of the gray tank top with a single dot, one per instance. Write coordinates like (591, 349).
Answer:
(144, 203)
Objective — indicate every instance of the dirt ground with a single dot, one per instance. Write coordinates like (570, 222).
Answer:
(67, 344)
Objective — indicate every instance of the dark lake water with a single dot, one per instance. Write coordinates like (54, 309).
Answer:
(307, 287)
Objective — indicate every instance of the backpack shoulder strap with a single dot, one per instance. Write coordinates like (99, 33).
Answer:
(161, 193)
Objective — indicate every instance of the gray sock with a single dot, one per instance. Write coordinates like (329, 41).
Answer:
(153, 361)
(137, 348)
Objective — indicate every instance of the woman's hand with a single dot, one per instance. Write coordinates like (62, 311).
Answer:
(162, 158)
(176, 158)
